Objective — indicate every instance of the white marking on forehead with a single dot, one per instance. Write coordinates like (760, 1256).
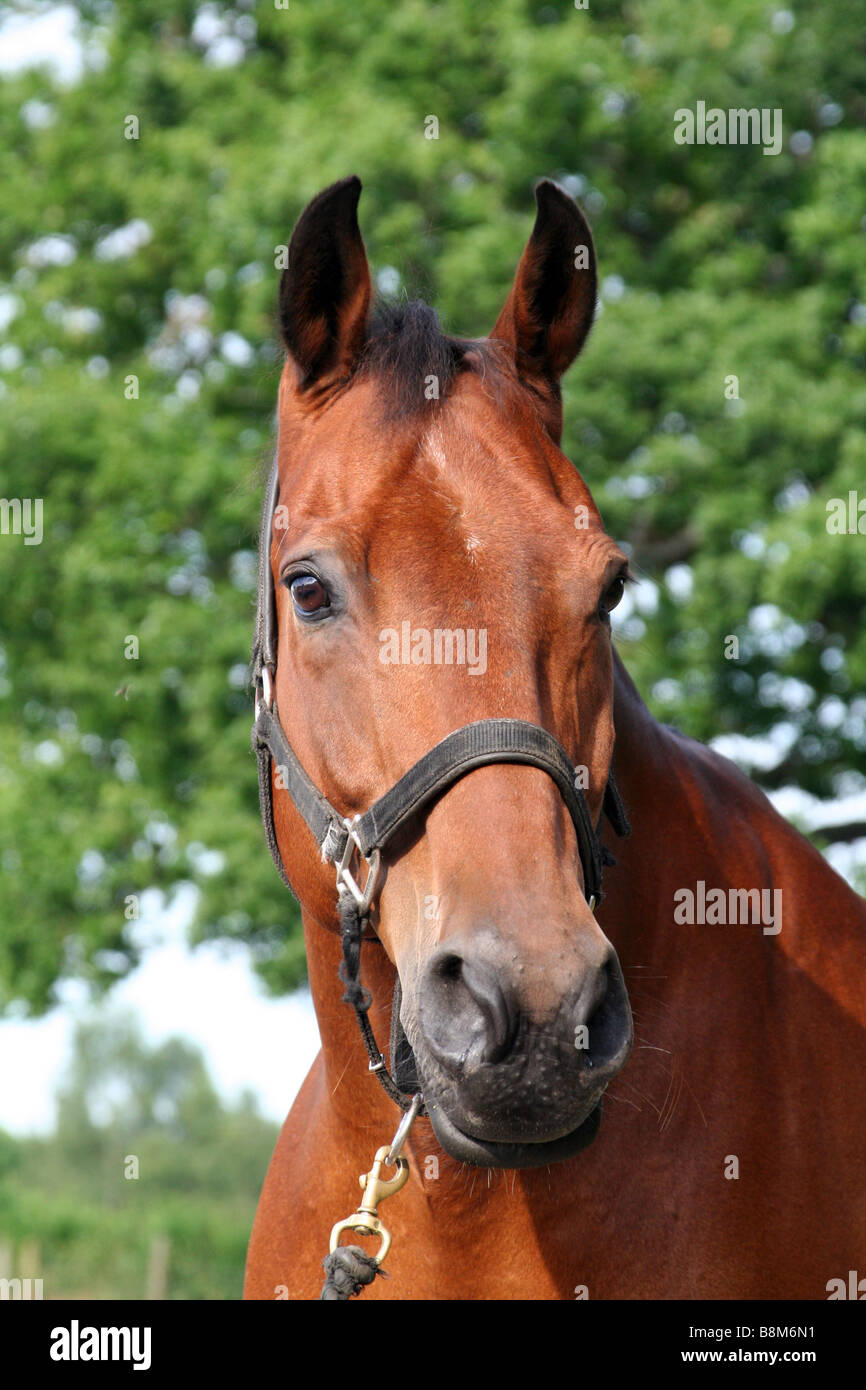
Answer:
(462, 445)
(443, 461)
(433, 446)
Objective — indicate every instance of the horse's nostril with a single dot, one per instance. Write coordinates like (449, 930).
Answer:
(609, 1024)
(464, 1012)
(450, 967)
(470, 1017)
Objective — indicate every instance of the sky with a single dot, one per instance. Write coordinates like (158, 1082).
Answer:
(45, 37)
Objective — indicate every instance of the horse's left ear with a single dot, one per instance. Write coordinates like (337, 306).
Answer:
(325, 290)
(551, 306)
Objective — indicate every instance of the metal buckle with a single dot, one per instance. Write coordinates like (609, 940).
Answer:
(345, 880)
(267, 692)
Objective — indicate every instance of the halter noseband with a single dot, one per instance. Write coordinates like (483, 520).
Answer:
(339, 838)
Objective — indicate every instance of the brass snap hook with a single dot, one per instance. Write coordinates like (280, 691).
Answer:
(376, 1188)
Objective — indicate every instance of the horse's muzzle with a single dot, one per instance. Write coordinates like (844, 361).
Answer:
(504, 1087)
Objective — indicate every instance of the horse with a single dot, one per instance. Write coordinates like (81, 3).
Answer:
(713, 997)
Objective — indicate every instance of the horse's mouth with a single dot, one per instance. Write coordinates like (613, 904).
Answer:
(484, 1153)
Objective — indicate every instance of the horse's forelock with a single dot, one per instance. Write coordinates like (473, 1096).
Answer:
(415, 360)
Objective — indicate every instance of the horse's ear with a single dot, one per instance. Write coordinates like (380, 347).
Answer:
(325, 289)
(551, 306)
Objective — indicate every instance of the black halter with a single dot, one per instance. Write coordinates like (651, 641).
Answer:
(339, 838)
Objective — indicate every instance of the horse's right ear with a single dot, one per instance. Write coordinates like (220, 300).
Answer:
(325, 289)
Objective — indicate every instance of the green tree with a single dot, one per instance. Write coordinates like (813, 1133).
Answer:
(717, 262)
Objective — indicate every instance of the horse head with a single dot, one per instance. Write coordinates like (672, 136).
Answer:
(438, 561)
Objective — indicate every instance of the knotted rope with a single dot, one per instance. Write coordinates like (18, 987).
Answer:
(347, 1271)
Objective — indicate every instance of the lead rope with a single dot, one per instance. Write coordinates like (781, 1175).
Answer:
(352, 928)
(348, 1268)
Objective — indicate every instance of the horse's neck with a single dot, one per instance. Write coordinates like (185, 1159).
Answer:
(641, 742)
(648, 761)
(695, 818)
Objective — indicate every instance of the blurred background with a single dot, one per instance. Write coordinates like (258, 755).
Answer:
(154, 158)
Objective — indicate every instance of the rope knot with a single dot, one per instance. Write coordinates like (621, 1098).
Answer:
(347, 1270)
(356, 995)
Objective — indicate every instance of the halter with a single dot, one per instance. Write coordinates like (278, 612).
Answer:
(341, 838)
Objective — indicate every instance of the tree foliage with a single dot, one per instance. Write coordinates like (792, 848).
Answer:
(716, 262)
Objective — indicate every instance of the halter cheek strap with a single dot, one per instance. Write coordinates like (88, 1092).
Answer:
(340, 839)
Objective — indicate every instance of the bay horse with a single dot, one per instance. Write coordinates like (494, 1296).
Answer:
(419, 489)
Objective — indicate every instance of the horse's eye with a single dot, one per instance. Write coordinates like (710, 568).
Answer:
(611, 596)
(309, 595)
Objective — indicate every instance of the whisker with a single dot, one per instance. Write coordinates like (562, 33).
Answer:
(677, 1082)
(624, 1100)
(342, 1074)
(660, 1002)
(697, 1103)
(623, 1081)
